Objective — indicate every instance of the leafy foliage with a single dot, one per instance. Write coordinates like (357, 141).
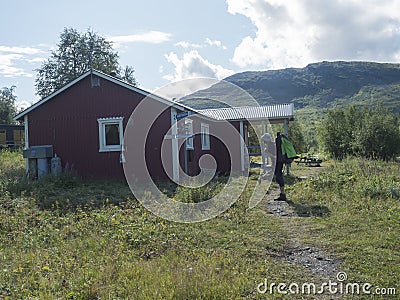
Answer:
(309, 120)
(373, 133)
(7, 105)
(295, 135)
(75, 54)
(200, 194)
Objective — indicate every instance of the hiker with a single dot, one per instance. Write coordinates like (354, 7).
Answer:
(285, 154)
(266, 145)
(279, 167)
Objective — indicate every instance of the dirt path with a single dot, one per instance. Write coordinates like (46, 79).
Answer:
(297, 251)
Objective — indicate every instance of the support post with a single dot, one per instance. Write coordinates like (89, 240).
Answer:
(286, 130)
(286, 127)
(174, 143)
(185, 154)
(241, 146)
(262, 146)
(26, 137)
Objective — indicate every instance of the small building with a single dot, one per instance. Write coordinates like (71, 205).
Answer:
(11, 136)
(85, 122)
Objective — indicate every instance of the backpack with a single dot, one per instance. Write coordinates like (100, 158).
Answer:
(288, 151)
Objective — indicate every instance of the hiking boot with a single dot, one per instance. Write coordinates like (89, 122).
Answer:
(282, 197)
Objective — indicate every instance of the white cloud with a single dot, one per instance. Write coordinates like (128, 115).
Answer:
(36, 60)
(152, 37)
(7, 65)
(178, 89)
(21, 105)
(20, 50)
(7, 59)
(12, 58)
(185, 44)
(192, 65)
(10, 71)
(207, 42)
(294, 33)
(215, 43)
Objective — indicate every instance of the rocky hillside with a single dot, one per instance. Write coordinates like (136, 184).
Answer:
(318, 85)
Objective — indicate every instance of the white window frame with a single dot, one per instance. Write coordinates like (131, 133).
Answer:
(205, 136)
(102, 134)
(189, 130)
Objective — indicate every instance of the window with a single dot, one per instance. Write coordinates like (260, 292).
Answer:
(18, 137)
(3, 137)
(110, 134)
(205, 137)
(189, 130)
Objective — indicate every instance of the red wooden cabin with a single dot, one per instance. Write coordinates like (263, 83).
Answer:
(85, 121)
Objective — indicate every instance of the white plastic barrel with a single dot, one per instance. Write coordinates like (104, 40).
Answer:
(56, 165)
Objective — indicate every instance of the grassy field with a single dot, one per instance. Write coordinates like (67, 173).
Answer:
(62, 238)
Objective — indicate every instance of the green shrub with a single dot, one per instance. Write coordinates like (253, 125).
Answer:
(198, 194)
(367, 132)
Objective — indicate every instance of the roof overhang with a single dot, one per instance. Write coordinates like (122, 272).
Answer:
(273, 113)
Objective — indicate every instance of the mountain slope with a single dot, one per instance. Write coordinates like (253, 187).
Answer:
(318, 85)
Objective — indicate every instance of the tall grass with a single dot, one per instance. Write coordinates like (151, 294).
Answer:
(64, 238)
(363, 198)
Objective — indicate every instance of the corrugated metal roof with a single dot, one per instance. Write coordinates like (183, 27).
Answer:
(280, 111)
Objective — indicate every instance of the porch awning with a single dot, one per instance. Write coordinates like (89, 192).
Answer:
(274, 113)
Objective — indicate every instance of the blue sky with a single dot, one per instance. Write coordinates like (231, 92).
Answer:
(172, 40)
